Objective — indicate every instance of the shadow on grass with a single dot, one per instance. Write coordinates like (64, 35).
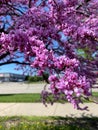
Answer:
(6, 95)
(53, 123)
(87, 122)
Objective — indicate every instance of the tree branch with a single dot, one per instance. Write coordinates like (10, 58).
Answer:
(14, 62)
(30, 3)
(4, 55)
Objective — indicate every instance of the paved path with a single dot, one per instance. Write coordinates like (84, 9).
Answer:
(38, 109)
(14, 88)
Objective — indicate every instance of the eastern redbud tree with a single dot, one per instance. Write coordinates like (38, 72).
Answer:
(57, 37)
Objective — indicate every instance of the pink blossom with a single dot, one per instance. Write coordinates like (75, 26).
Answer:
(50, 37)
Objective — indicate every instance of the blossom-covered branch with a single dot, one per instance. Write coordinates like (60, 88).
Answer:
(57, 37)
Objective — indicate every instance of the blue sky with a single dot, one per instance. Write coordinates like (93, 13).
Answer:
(10, 69)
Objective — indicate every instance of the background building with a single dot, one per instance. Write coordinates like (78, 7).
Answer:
(11, 77)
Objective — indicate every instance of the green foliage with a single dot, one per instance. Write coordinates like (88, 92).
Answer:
(81, 53)
(84, 53)
(34, 78)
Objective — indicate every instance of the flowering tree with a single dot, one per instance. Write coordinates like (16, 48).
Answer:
(58, 37)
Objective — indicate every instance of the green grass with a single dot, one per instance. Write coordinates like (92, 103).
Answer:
(20, 98)
(95, 94)
(38, 82)
(30, 98)
(48, 123)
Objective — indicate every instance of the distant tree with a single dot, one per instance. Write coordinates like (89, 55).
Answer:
(58, 37)
(34, 78)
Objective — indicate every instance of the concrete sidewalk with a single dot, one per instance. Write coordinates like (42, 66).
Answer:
(16, 88)
(38, 109)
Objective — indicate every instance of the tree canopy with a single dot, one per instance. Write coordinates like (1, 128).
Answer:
(57, 37)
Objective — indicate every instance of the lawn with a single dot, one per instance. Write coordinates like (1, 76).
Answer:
(48, 123)
(95, 94)
(20, 97)
(31, 98)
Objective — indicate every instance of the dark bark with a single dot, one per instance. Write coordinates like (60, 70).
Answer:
(14, 62)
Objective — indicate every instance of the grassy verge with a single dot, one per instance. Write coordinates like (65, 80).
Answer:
(30, 98)
(48, 123)
(95, 94)
(20, 98)
(38, 82)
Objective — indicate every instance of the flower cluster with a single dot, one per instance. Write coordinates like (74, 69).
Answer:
(71, 85)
